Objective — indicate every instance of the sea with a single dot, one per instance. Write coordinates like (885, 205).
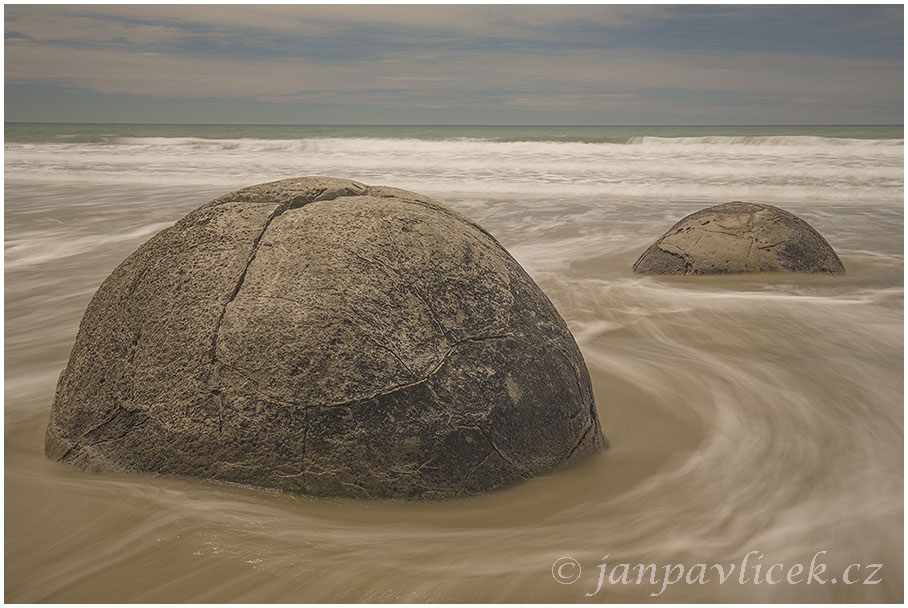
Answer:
(756, 422)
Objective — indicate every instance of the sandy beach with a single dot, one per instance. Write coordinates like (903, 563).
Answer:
(751, 413)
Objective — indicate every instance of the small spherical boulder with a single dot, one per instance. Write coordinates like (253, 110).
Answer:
(740, 237)
(325, 337)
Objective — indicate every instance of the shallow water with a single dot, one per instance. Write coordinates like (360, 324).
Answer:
(758, 413)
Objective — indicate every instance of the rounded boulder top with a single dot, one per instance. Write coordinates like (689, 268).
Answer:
(321, 336)
(740, 237)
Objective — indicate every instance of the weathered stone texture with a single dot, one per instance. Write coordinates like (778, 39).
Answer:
(326, 337)
(740, 237)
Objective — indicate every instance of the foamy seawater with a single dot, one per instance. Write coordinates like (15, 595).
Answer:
(710, 167)
(757, 413)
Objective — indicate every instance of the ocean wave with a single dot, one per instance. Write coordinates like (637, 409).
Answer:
(799, 141)
(702, 168)
(795, 141)
(28, 249)
(713, 151)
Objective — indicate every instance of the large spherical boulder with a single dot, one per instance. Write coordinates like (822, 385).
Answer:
(740, 237)
(322, 336)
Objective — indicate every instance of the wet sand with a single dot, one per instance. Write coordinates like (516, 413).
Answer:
(744, 413)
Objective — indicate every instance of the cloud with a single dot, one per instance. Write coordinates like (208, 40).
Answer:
(420, 78)
(547, 58)
(544, 77)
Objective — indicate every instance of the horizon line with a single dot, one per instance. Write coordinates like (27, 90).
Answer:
(276, 124)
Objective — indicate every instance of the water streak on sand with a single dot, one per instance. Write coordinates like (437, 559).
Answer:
(744, 413)
(780, 168)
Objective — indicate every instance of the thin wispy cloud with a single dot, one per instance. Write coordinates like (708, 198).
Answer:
(422, 78)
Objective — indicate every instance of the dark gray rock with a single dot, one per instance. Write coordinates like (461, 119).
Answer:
(326, 337)
(740, 237)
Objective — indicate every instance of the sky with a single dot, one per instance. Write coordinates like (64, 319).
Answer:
(455, 64)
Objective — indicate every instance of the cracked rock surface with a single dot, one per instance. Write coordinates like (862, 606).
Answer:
(740, 237)
(322, 336)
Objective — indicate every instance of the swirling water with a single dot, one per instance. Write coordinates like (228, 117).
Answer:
(757, 413)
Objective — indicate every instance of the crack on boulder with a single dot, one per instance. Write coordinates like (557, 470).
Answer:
(89, 438)
(393, 272)
(491, 406)
(764, 228)
(271, 296)
(100, 426)
(578, 379)
(336, 479)
(428, 376)
(294, 198)
(378, 343)
(309, 197)
(425, 464)
(480, 463)
(681, 249)
(353, 190)
(137, 281)
(126, 432)
(681, 257)
(734, 234)
(498, 451)
(577, 445)
(434, 206)
(353, 402)
(257, 390)
(242, 278)
(413, 288)
(290, 197)
(97, 428)
(441, 403)
(208, 400)
(387, 348)
(302, 471)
